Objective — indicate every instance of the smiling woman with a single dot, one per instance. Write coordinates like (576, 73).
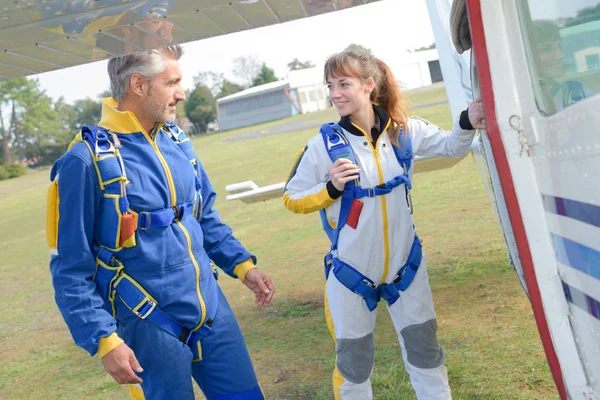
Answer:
(357, 174)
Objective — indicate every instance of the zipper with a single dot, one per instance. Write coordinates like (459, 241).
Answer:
(185, 232)
(386, 244)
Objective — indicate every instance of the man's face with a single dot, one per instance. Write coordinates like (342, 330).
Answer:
(164, 92)
(551, 56)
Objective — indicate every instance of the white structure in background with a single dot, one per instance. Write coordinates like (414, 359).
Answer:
(310, 87)
(415, 69)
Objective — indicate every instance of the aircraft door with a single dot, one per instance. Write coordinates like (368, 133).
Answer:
(539, 75)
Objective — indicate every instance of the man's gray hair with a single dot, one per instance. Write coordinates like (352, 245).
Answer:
(147, 64)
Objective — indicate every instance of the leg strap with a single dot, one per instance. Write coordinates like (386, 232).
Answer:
(360, 284)
(390, 292)
(145, 307)
(356, 282)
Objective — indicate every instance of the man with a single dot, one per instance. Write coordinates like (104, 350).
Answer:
(133, 233)
(563, 92)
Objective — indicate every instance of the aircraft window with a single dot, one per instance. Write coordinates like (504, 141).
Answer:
(562, 41)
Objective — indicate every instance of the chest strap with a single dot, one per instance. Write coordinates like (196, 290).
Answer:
(365, 287)
(379, 190)
(163, 218)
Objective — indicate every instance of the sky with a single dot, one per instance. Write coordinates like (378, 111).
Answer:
(386, 27)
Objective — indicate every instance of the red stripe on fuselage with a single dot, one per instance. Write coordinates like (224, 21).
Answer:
(510, 196)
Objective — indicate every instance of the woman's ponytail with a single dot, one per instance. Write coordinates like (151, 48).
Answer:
(388, 96)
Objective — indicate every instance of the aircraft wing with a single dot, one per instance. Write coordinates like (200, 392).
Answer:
(40, 36)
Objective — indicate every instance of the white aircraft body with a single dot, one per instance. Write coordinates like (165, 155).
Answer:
(540, 152)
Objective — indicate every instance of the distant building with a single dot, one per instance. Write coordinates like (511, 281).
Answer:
(301, 93)
(257, 104)
(415, 69)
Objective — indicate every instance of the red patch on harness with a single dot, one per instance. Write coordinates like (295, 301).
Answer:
(354, 214)
(127, 228)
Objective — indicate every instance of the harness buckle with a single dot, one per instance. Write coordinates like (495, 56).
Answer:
(148, 218)
(177, 212)
(98, 150)
(186, 334)
(369, 284)
(147, 312)
(370, 192)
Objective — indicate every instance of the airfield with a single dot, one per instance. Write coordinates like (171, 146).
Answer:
(486, 325)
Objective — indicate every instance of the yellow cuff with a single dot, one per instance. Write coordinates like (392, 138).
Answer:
(108, 344)
(242, 269)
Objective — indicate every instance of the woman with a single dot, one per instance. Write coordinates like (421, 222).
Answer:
(364, 200)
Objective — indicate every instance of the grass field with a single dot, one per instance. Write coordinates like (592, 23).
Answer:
(485, 321)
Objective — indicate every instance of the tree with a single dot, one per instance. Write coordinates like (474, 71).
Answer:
(210, 79)
(296, 64)
(430, 47)
(265, 75)
(584, 15)
(39, 124)
(246, 68)
(55, 143)
(228, 87)
(86, 112)
(201, 107)
(357, 47)
(32, 120)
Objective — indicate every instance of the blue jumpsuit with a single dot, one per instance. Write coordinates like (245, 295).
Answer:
(172, 263)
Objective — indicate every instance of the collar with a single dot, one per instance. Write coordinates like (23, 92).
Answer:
(122, 122)
(382, 121)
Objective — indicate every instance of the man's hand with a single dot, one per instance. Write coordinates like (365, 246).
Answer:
(261, 285)
(120, 364)
(476, 115)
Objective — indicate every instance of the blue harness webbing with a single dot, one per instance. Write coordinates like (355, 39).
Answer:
(337, 146)
(110, 277)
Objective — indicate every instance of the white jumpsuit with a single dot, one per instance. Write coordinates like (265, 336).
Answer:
(378, 248)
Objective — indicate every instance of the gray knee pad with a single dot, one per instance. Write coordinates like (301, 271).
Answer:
(355, 358)
(421, 345)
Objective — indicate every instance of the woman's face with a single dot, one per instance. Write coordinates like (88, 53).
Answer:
(349, 94)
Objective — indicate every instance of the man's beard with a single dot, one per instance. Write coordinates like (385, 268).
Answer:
(158, 112)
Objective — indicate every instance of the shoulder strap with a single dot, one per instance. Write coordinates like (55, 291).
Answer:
(337, 146)
(336, 143)
(118, 224)
(185, 144)
(104, 148)
(404, 152)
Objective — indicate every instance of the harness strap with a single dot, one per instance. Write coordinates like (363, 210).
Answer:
(390, 292)
(145, 307)
(356, 282)
(365, 287)
(163, 218)
(380, 190)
